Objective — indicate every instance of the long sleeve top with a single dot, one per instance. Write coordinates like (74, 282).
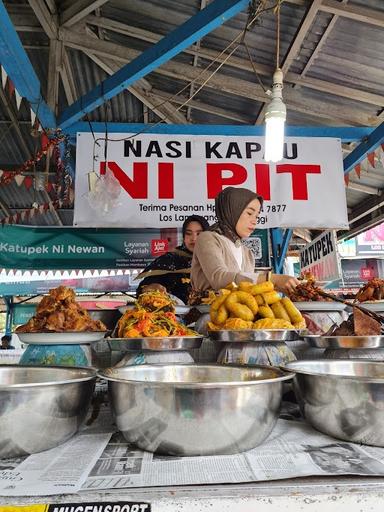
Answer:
(215, 263)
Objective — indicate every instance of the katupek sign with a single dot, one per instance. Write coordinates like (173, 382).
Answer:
(320, 258)
(164, 178)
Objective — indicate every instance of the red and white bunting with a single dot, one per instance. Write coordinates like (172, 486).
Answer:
(11, 87)
(4, 77)
(371, 158)
(33, 117)
(28, 182)
(358, 170)
(19, 179)
(18, 99)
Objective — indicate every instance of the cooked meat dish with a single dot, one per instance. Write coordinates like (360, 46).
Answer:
(373, 290)
(59, 312)
(358, 324)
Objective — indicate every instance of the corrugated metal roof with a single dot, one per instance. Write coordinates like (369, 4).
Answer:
(351, 55)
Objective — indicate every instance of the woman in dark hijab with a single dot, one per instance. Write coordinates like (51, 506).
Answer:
(219, 257)
(171, 271)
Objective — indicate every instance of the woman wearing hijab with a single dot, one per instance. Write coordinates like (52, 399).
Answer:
(219, 257)
(171, 271)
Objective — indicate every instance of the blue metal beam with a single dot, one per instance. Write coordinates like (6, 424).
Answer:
(345, 133)
(19, 68)
(9, 314)
(280, 243)
(370, 143)
(206, 20)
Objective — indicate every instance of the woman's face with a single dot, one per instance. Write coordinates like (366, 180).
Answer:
(192, 231)
(248, 219)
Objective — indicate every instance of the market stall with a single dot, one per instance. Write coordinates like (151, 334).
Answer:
(261, 391)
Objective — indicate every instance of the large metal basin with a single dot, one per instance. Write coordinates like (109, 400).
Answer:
(186, 409)
(41, 407)
(342, 398)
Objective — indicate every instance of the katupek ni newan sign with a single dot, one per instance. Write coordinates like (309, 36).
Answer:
(164, 178)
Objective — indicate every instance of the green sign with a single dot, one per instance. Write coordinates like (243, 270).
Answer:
(28, 248)
(22, 313)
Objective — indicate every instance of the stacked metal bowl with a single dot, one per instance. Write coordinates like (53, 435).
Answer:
(41, 407)
(342, 398)
(185, 409)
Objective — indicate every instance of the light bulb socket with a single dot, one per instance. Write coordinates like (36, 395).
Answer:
(276, 108)
(278, 77)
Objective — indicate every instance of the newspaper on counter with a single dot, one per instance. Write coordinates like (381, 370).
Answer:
(61, 470)
(293, 449)
(98, 459)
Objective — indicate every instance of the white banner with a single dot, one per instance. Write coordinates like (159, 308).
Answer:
(320, 258)
(164, 178)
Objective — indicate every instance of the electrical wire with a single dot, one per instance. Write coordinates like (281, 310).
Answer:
(238, 41)
(278, 35)
(254, 67)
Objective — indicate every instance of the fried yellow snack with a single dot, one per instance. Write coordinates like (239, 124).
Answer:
(245, 286)
(272, 323)
(220, 299)
(231, 287)
(259, 299)
(266, 312)
(242, 305)
(219, 316)
(237, 324)
(213, 327)
(242, 311)
(211, 298)
(271, 297)
(300, 325)
(258, 289)
(279, 311)
(294, 314)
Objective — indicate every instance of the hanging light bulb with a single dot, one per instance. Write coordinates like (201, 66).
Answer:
(276, 112)
(275, 117)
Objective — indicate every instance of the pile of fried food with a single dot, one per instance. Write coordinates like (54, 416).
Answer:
(307, 291)
(373, 290)
(358, 324)
(59, 312)
(253, 306)
(152, 316)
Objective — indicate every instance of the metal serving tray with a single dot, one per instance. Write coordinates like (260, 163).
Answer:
(245, 335)
(335, 342)
(61, 338)
(155, 344)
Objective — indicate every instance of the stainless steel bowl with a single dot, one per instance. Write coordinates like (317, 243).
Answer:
(342, 398)
(185, 409)
(109, 317)
(41, 407)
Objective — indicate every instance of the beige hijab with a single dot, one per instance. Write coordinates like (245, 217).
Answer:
(229, 205)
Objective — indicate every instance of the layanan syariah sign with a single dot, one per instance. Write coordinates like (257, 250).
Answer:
(165, 178)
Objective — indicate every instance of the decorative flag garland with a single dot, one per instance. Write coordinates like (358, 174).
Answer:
(49, 147)
(7, 176)
(372, 157)
(29, 213)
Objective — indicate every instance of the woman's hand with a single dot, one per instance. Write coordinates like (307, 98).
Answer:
(283, 283)
(153, 287)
